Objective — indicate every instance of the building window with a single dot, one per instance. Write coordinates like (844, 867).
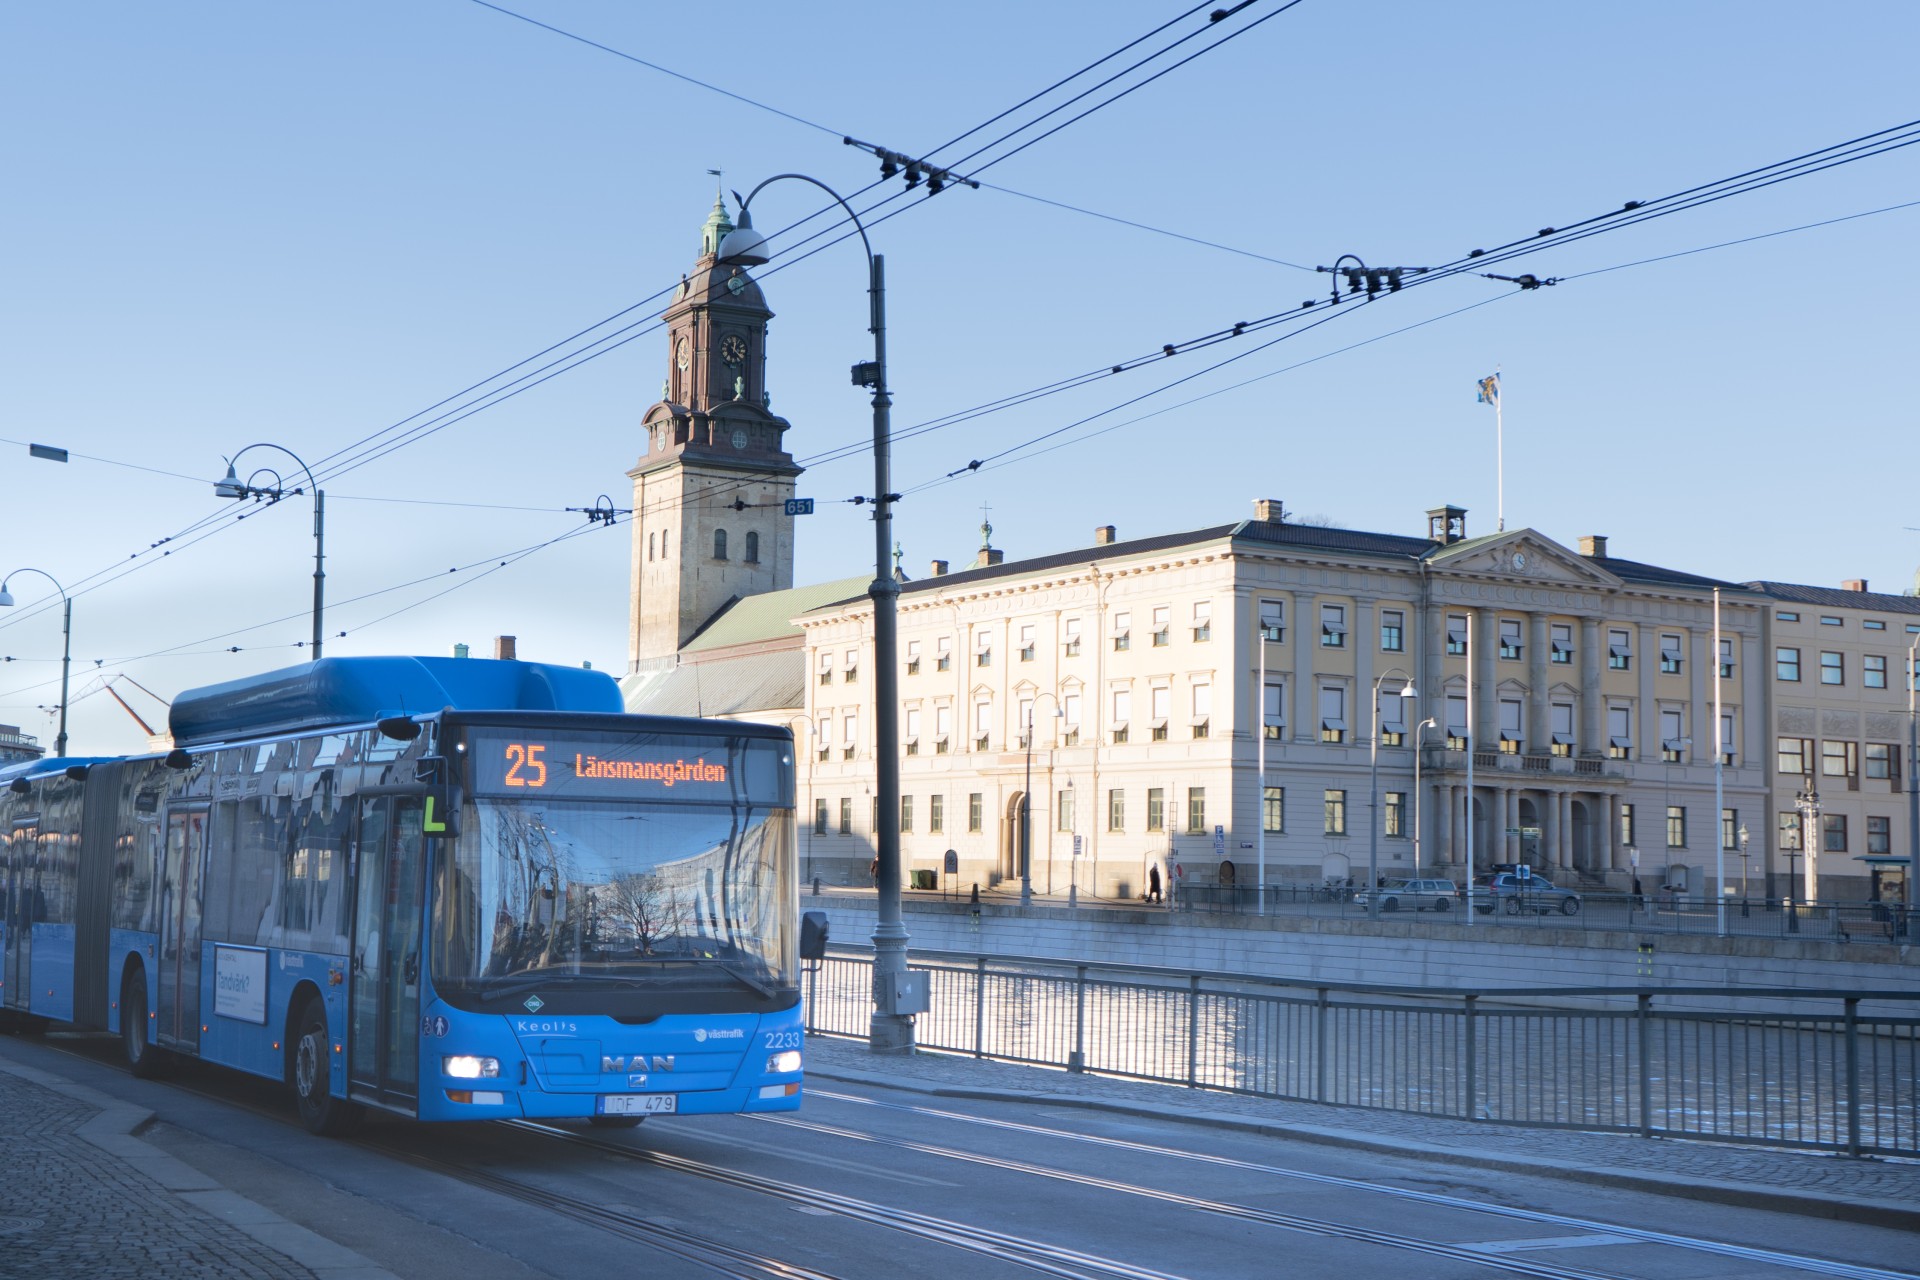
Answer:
(1202, 707)
(1727, 750)
(1162, 700)
(823, 734)
(906, 814)
(1393, 630)
(1396, 815)
(1273, 712)
(1879, 835)
(719, 544)
(1273, 621)
(1203, 620)
(1619, 733)
(983, 649)
(1156, 809)
(1872, 624)
(1560, 648)
(1833, 668)
(821, 816)
(1512, 740)
(1026, 643)
(1673, 737)
(850, 670)
(1841, 760)
(1073, 637)
(1670, 655)
(1333, 714)
(913, 657)
(1392, 718)
(1457, 733)
(1070, 718)
(1122, 713)
(1676, 826)
(1619, 650)
(912, 731)
(1063, 810)
(1788, 831)
(1794, 756)
(943, 654)
(1883, 760)
(982, 723)
(753, 548)
(850, 734)
(1456, 634)
(1626, 826)
(1510, 641)
(1562, 717)
(650, 538)
(942, 728)
(1784, 616)
(1873, 670)
(1336, 812)
(936, 814)
(1116, 810)
(1196, 810)
(1833, 833)
(1122, 632)
(1829, 620)
(1333, 626)
(1162, 626)
(826, 668)
(846, 815)
(1273, 806)
(1726, 659)
(1786, 664)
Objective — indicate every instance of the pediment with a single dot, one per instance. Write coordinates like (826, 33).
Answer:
(1522, 555)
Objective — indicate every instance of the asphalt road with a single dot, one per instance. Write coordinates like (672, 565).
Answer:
(870, 1183)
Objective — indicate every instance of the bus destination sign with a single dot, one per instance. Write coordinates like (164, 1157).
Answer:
(529, 765)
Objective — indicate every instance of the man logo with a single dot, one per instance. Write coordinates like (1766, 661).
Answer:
(638, 1062)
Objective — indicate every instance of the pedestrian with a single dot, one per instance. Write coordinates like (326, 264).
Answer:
(1153, 882)
(873, 870)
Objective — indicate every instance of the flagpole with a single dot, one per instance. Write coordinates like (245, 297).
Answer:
(1500, 457)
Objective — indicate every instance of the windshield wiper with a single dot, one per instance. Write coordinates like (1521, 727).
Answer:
(746, 979)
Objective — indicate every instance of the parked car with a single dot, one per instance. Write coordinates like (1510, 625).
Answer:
(1515, 894)
(1412, 895)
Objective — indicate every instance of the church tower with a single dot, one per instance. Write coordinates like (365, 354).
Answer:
(710, 489)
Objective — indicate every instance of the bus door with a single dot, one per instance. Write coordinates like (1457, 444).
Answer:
(177, 1007)
(384, 1034)
(19, 883)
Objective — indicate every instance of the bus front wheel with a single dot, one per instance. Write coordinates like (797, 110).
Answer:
(143, 1056)
(320, 1111)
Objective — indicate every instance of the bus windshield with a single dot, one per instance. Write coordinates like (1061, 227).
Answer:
(588, 904)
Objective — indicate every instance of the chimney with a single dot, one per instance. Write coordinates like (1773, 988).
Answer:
(1269, 511)
(939, 569)
(1594, 546)
(460, 651)
(1447, 525)
(989, 556)
(1103, 536)
(1854, 584)
(503, 647)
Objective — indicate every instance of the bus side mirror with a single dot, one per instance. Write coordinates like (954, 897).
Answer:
(440, 816)
(813, 935)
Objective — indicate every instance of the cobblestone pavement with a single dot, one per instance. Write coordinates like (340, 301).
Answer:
(1826, 1185)
(68, 1208)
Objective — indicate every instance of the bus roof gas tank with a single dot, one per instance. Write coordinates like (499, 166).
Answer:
(337, 691)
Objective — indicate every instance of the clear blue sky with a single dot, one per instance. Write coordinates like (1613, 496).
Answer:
(231, 222)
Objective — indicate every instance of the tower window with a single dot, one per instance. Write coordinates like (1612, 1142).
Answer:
(753, 548)
(719, 544)
(650, 538)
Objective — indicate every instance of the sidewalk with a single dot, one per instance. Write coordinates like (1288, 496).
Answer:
(83, 1195)
(1879, 1192)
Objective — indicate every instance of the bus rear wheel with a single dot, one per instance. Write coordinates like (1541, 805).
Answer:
(320, 1111)
(144, 1058)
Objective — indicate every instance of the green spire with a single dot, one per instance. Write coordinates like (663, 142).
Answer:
(718, 223)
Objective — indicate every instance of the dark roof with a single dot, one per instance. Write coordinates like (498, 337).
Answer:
(1835, 598)
(1635, 571)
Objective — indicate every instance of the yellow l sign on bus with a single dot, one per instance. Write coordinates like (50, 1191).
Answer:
(431, 825)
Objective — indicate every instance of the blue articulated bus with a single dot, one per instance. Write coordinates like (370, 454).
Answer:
(452, 889)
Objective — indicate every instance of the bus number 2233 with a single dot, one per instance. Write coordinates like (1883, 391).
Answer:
(525, 768)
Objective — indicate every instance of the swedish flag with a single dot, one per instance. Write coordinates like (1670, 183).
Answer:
(1490, 390)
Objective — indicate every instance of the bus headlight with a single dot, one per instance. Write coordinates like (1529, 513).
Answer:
(781, 1064)
(467, 1067)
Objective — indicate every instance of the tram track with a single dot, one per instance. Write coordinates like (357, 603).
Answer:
(1537, 1217)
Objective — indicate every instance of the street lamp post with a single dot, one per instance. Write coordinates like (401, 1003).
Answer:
(1373, 788)
(1913, 778)
(890, 1030)
(1743, 870)
(1808, 803)
(1419, 742)
(66, 645)
(231, 486)
(1026, 803)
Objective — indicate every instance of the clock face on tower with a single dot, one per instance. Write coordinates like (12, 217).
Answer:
(683, 353)
(733, 350)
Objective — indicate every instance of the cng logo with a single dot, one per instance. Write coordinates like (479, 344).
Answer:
(535, 1004)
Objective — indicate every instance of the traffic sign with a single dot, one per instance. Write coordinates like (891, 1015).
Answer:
(799, 506)
(1076, 845)
(1219, 841)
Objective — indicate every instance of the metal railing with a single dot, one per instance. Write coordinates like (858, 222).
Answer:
(1808, 1069)
(1652, 912)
